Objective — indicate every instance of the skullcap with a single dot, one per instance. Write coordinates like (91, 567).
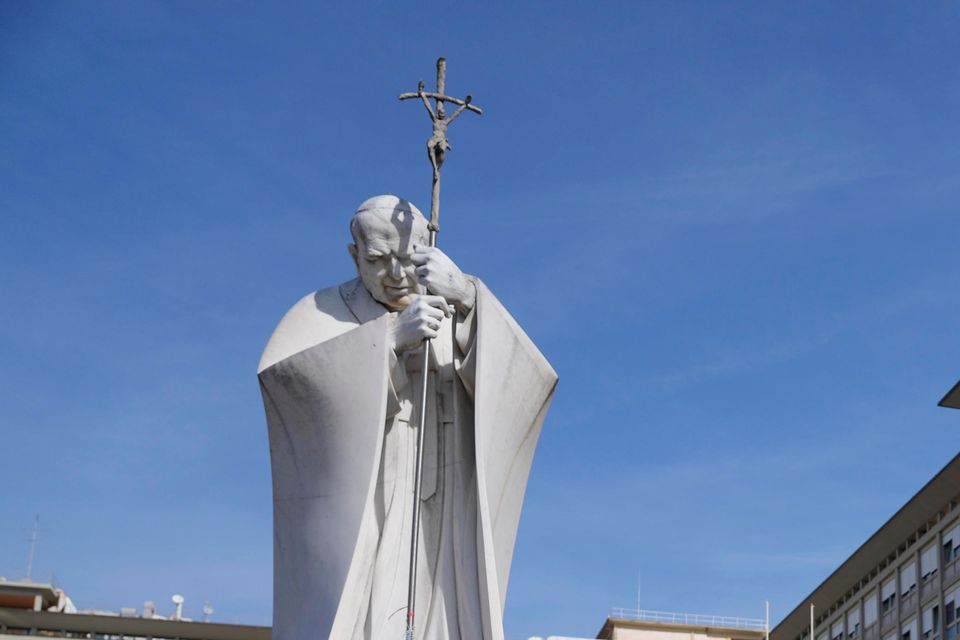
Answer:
(388, 202)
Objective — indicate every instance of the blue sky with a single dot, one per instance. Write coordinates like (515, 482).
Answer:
(731, 227)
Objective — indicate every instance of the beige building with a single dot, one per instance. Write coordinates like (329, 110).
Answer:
(660, 625)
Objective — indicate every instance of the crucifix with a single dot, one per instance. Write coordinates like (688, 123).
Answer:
(437, 147)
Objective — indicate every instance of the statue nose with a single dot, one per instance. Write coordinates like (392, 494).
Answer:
(396, 269)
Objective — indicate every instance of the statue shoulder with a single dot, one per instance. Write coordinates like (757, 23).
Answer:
(316, 317)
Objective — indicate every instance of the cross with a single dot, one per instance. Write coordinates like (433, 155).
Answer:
(437, 145)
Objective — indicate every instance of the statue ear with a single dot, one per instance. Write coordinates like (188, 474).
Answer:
(352, 250)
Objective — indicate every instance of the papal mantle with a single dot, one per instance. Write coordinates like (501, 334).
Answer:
(341, 417)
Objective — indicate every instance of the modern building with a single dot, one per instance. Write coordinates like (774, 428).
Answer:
(903, 583)
(35, 609)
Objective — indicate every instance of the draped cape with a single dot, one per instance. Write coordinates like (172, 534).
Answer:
(325, 381)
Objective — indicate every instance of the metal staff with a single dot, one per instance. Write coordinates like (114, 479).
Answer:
(437, 147)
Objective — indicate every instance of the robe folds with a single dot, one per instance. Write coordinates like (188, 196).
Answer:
(339, 406)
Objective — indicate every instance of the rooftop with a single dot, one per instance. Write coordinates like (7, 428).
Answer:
(711, 625)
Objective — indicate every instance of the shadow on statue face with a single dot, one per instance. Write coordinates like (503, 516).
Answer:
(384, 241)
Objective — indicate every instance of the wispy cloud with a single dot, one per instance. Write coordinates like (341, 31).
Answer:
(731, 184)
(736, 363)
(780, 562)
(856, 315)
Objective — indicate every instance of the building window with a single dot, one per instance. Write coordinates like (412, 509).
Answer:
(870, 609)
(928, 562)
(930, 621)
(888, 596)
(836, 631)
(908, 581)
(951, 544)
(908, 631)
(853, 623)
(950, 603)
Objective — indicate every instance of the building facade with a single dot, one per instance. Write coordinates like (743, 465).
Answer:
(35, 609)
(902, 584)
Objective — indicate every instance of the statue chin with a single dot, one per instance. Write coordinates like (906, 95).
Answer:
(395, 304)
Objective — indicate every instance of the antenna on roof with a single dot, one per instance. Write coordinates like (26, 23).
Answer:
(638, 592)
(207, 611)
(766, 620)
(178, 601)
(33, 546)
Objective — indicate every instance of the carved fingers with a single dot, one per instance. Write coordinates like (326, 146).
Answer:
(430, 312)
(420, 320)
(438, 273)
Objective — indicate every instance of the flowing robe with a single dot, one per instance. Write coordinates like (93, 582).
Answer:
(341, 414)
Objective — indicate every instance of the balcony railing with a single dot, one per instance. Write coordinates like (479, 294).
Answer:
(888, 620)
(908, 603)
(950, 570)
(689, 619)
(930, 587)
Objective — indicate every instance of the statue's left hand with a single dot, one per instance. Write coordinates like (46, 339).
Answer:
(442, 277)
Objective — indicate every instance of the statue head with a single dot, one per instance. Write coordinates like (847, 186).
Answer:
(385, 230)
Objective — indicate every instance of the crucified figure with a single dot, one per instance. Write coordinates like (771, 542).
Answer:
(438, 145)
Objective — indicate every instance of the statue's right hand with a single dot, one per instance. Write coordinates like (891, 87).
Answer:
(421, 319)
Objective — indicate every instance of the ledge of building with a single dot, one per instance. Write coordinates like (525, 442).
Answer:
(731, 633)
(18, 621)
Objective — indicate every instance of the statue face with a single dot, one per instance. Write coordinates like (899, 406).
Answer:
(382, 255)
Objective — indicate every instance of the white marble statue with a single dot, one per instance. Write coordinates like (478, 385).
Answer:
(340, 388)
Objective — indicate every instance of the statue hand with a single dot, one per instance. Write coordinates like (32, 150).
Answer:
(442, 277)
(421, 319)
